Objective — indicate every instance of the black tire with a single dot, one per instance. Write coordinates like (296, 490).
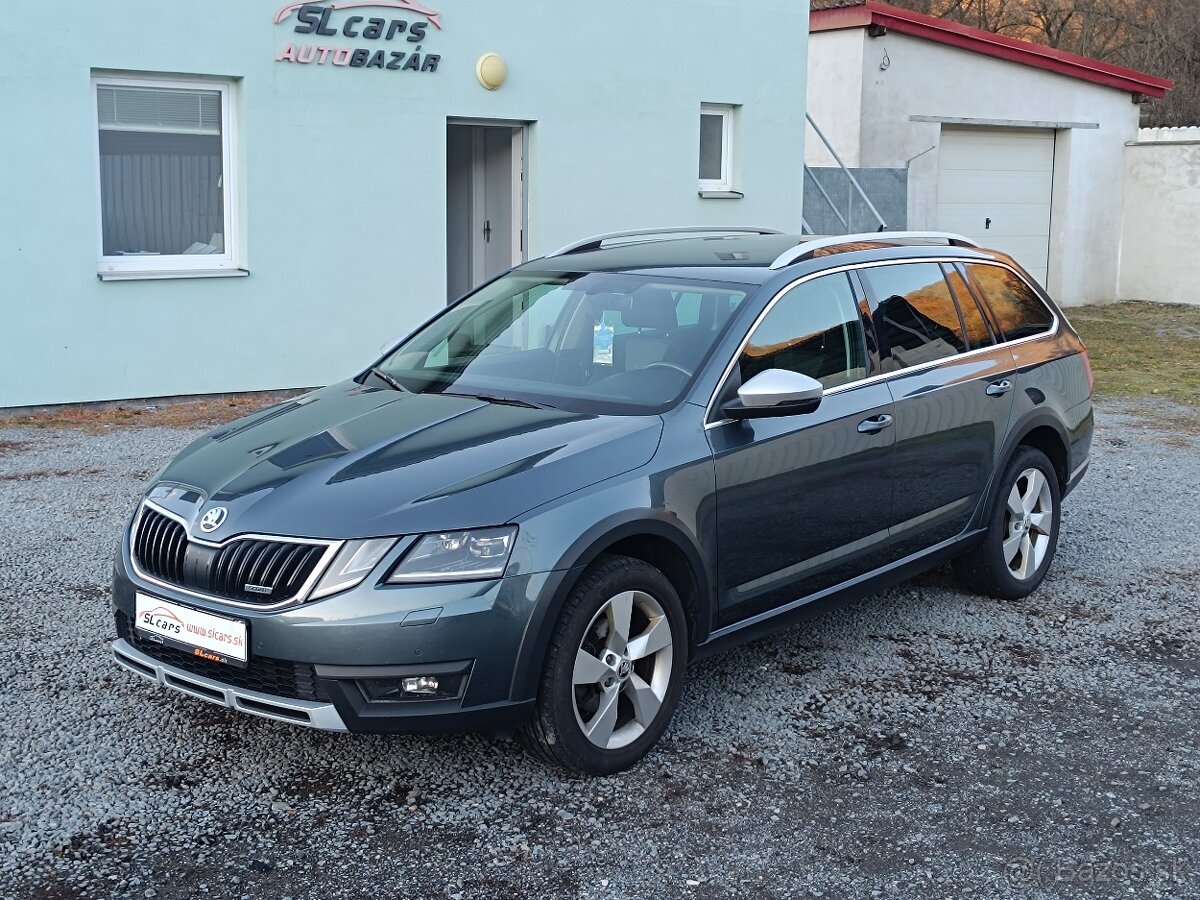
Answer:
(986, 570)
(556, 734)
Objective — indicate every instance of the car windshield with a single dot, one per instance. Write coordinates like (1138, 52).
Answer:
(597, 343)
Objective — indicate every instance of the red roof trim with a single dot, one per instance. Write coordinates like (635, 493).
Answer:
(904, 21)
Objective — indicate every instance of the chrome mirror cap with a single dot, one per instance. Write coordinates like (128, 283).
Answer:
(776, 387)
(773, 393)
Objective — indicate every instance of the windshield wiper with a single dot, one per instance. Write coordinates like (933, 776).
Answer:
(505, 401)
(388, 380)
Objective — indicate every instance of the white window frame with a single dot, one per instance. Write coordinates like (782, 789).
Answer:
(114, 268)
(725, 183)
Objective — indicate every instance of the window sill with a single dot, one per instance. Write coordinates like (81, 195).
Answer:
(180, 273)
(721, 195)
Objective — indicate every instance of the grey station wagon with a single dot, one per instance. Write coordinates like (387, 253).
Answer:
(533, 512)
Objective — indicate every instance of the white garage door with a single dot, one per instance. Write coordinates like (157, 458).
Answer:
(994, 185)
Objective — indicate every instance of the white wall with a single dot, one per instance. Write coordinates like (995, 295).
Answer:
(835, 96)
(1162, 214)
(902, 77)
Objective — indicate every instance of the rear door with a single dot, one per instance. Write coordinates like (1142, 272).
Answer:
(953, 392)
(803, 501)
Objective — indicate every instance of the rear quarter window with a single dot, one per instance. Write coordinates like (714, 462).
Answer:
(978, 333)
(1017, 309)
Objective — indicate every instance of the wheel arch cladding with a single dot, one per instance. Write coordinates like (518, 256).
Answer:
(1048, 440)
(659, 543)
(1043, 432)
(670, 559)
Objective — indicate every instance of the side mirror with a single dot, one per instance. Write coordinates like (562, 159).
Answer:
(775, 392)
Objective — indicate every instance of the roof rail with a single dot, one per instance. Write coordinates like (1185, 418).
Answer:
(597, 241)
(808, 248)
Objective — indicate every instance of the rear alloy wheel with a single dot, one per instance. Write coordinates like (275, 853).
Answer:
(1015, 554)
(1028, 518)
(614, 669)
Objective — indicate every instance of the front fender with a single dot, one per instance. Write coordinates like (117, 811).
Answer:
(635, 517)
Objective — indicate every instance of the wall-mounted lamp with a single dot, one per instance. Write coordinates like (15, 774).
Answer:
(491, 70)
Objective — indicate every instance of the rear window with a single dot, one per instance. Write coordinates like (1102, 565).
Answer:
(917, 320)
(1017, 309)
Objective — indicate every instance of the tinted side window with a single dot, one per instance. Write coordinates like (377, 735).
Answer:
(978, 332)
(815, 330)
(1019, 311)
(917, 320)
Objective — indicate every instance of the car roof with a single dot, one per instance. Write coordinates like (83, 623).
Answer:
(740, 258)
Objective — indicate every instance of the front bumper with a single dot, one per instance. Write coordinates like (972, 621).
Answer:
(282, 709)
(310, 664)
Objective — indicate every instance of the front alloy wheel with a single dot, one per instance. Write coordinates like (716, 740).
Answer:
(622, 670)
(614, 669)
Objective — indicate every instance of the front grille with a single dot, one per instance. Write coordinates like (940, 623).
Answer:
(276, 568)
(160, 546)
(249, 570)
(276, 677)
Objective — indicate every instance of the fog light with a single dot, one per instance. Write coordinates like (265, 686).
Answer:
(415, 688)
(426, 684)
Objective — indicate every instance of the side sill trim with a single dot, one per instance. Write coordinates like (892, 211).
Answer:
(755, 626)
(1079, 471)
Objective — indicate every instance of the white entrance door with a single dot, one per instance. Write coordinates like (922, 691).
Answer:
(485, 209)
(995, 186)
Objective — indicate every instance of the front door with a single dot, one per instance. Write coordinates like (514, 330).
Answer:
(485, 204)
(803, 501)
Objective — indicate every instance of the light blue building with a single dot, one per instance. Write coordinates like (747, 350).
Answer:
(255, 194)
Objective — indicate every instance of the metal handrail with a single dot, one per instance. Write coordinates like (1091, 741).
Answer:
(597, 241)
(854, 181)
(807, 248)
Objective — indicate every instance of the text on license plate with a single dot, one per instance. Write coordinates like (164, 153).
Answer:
(207, 636)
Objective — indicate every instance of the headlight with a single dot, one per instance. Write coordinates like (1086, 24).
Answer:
(457, 556)
(352, 564)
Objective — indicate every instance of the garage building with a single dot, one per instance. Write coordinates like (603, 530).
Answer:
(1013, 144)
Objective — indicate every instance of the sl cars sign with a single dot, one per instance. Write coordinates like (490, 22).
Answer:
(387, 34)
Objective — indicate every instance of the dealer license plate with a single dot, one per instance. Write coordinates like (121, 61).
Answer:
(202, 634)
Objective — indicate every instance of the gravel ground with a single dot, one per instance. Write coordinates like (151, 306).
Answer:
(920, 743)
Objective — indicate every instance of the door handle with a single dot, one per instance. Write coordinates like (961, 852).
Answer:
(999, 388)
(875, 425)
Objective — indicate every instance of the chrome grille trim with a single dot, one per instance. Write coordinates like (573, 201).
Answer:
(327, 548)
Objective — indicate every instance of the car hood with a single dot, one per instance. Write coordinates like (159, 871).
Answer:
(350, 461)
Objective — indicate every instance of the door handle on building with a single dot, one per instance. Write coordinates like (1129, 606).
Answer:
(875, 425)
(999, 388)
